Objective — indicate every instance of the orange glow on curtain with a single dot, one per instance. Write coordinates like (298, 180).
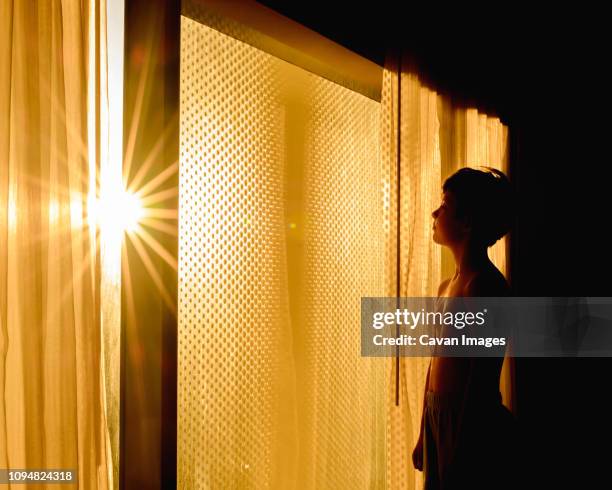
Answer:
(55, 298)
(437, 138)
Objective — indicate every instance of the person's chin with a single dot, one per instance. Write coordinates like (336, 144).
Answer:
(437, 239)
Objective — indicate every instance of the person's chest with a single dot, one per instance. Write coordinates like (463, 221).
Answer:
(455, 288)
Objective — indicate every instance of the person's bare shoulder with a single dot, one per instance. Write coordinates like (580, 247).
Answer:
(489, 282)
(443, 285)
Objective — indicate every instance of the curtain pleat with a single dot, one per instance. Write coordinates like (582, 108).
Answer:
(51, 405)
(437, 138)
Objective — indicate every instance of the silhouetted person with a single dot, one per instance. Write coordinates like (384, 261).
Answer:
(466, 438)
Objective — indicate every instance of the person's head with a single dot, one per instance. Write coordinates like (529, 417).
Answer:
(477, 206)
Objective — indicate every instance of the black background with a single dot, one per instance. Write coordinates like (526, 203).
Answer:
(543, 74)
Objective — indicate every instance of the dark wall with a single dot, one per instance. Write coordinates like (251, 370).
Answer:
(562, 250)
(543, 75)
(149, 320)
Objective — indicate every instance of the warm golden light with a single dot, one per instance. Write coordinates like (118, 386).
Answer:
(76, 211)
(53, 211)
(130, 209)
(12, 215)
(118, 211)
(280, 226)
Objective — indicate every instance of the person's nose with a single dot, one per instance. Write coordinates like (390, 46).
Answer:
(434, 215)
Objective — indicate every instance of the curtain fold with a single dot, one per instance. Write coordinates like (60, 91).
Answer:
(437, 137)
(420, 259)
(51, 400)
(471, 138)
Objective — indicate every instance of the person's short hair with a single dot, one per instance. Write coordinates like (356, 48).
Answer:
(484, 199)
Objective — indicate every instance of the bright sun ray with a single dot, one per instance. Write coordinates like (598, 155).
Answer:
(84, 204)
(117, 211)
(159, 179)
(152, 156)
(113, 214)
(157, 280)
(134, 351)
(129, 293)
(161, 213)
(157, 247)
(160, 226)
(159, 196)
(138, 106)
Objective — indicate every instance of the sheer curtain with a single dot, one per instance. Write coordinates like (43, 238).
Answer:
(436, 138)
(52, 412)
(470, 138)
(419, 256)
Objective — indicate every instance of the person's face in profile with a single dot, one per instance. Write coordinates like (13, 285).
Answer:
(447, 228)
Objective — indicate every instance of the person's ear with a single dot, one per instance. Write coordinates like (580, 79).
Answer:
(466, 224)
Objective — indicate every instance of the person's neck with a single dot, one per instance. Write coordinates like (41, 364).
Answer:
(469, 259)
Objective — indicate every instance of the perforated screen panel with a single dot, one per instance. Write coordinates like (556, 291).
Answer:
(281, 233)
